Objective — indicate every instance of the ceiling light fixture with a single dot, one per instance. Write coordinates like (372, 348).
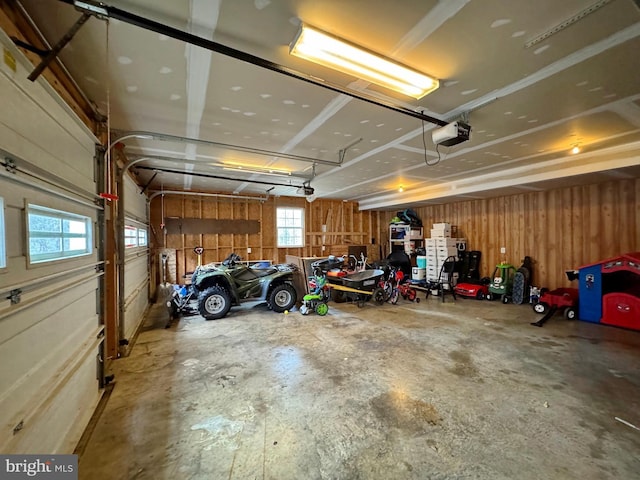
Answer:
(329, 51)
(401, 189)
(219, 177)
(575, 150)
(241, 169)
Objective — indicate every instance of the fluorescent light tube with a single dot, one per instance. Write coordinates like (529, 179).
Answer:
(329, 51)
(259, 171)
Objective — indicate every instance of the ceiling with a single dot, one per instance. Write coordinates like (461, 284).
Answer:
(578, 83)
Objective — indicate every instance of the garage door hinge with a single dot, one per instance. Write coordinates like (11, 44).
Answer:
(10, 165)
(14, 296)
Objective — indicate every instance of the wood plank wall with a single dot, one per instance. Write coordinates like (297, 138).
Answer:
(559, 229)
(345, 225)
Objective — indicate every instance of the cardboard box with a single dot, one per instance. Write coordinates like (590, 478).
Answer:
(415, 233)
(301, 277)
(445, 242)
(441, 226)
(440, 233)
(444, 252)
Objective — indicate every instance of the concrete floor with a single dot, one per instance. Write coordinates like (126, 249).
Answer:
(455, 390)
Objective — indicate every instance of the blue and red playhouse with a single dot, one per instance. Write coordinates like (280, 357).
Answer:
(609, 291)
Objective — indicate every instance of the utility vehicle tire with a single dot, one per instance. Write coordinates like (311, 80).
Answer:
(540, 307)
(214, 303)
(570, 313)
(338, 296)
(505, 299)
(282, 297)
(480, 295)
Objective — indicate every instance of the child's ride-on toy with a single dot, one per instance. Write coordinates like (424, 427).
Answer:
(502, 282)
(473, 290)
(403, 289)
(550, 301)
(317, 299)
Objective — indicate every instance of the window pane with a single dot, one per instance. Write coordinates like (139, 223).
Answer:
(54, 234)
(290, 227)
(74, 226)
(130, 236)
(39, 246)
(142, 237)
(73, 244)
(42, 223)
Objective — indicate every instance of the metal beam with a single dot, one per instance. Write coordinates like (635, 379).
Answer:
(53, 53)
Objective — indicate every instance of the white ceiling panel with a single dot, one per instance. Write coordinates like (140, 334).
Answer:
(527, 104)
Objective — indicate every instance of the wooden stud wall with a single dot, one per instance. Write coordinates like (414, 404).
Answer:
(560, 229)
(345, 225)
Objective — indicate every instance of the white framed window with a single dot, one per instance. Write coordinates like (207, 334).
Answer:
(290, 227)
(3, 240)
(135, 236)
(55, 234)
(142, 237)
(130, 236)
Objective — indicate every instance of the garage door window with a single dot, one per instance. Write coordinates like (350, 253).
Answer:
(130, 236)
(290, 225)
(3, 251)
(142, 237)
(54, 234)
(135, 237)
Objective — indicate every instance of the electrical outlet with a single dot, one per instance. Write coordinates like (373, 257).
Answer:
(323, 248)
(503, 249)
(248, 249)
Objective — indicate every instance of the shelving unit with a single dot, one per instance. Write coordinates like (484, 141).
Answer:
(405, 237)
